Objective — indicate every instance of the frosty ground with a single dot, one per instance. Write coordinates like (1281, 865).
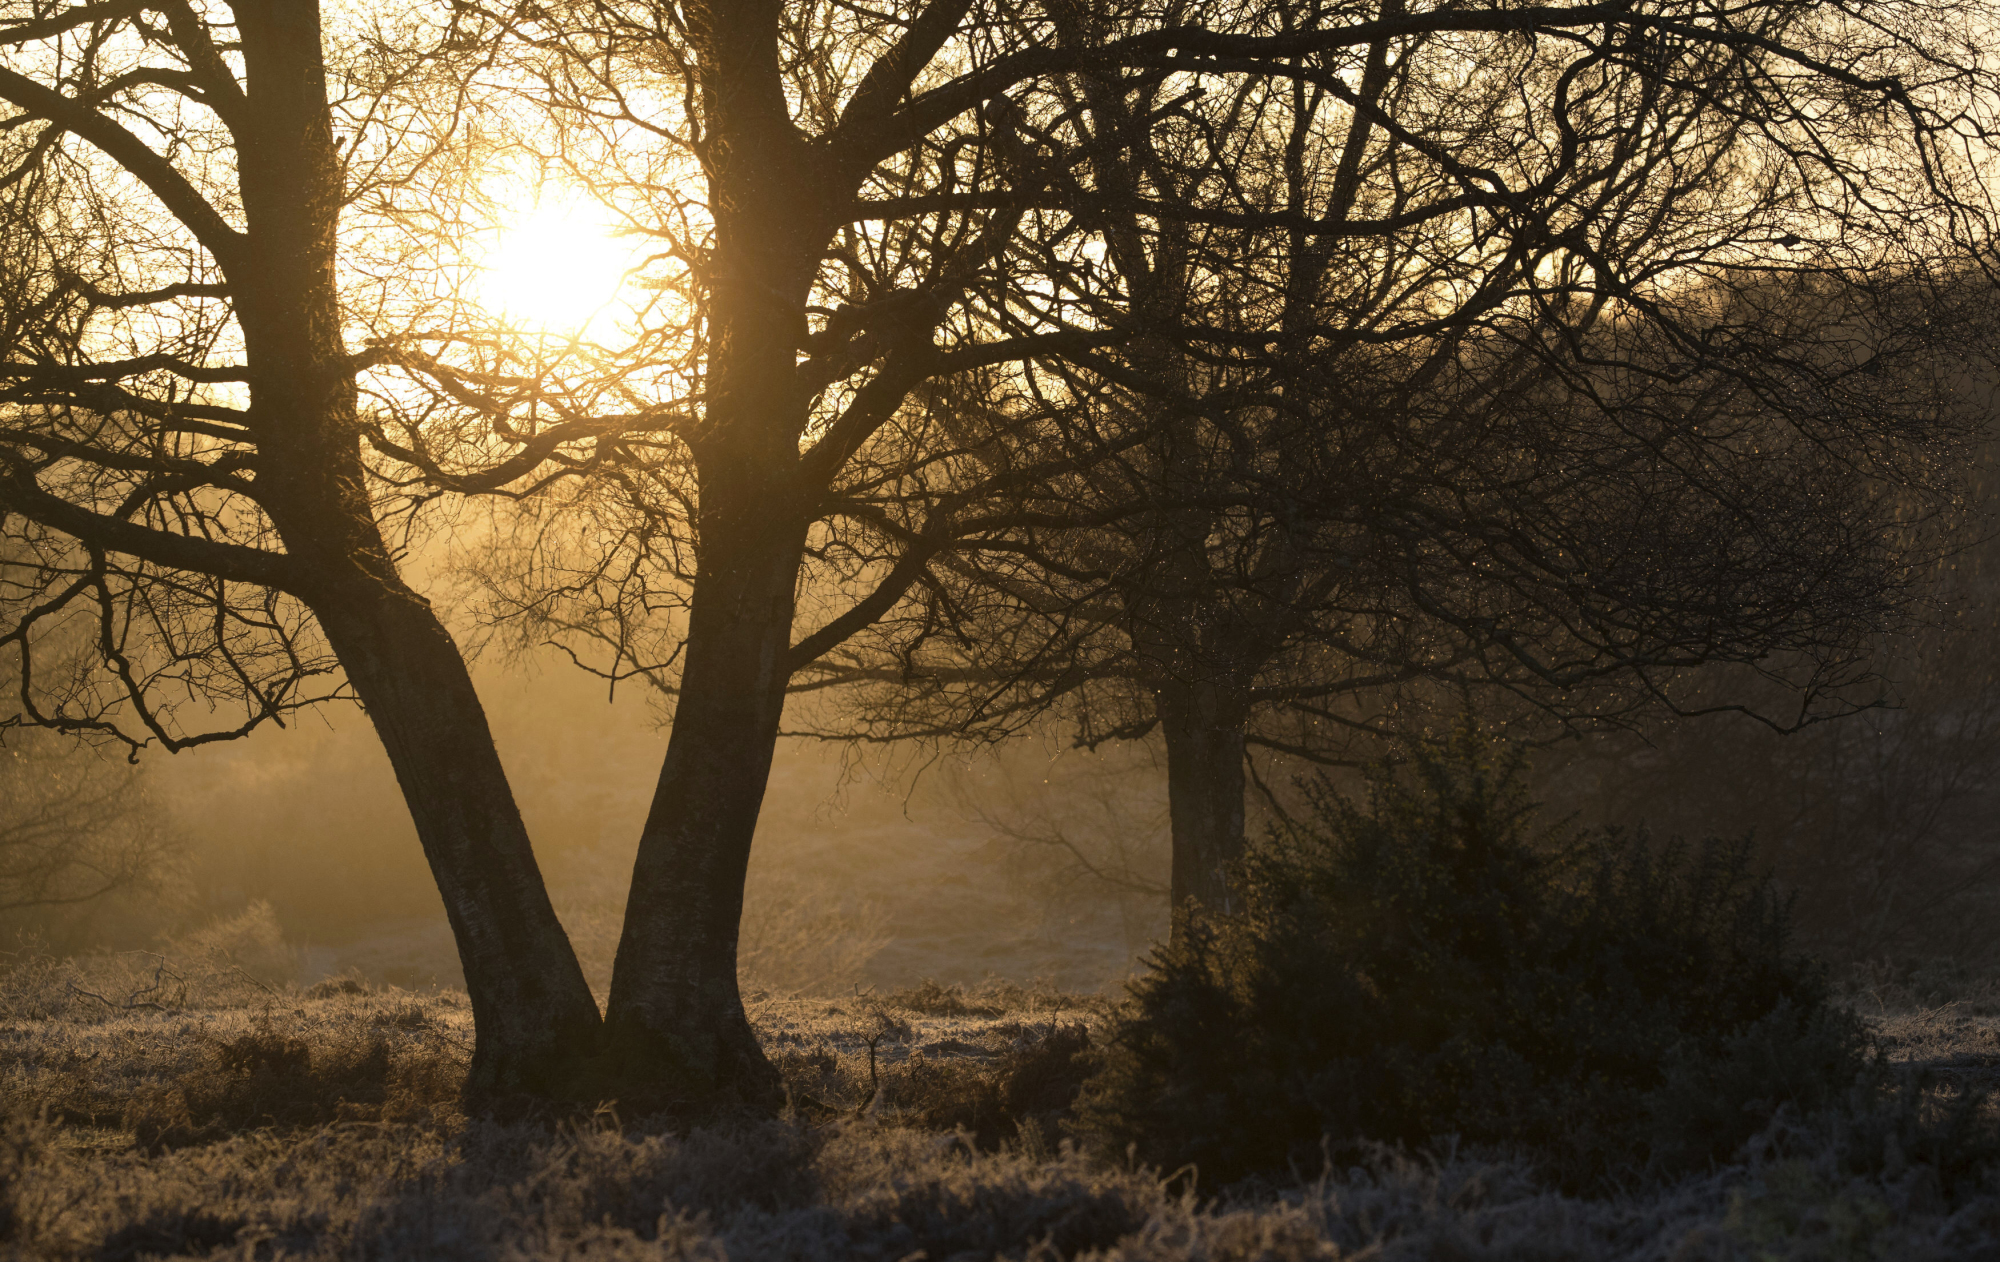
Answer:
(160, 1108)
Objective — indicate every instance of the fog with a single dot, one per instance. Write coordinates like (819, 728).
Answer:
(877, 872)
(883, 866)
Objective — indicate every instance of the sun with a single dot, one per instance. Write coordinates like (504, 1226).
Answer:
(558, 267)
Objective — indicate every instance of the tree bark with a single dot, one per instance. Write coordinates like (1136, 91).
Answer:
(676, 1032)
(534, 1019)
(676, 1035)
(1205, 783)
(533, 1012)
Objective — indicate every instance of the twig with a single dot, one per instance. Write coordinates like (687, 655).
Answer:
(135, 1000)
(161, 970)
(238, 968)
(131, 1003)
(869, 1107)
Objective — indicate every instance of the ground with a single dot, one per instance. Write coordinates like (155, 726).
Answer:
(160, 1108)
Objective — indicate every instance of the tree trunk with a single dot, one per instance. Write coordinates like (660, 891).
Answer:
(676, 1033)
(533, 1012)
(534, 1019)
(1204, 793)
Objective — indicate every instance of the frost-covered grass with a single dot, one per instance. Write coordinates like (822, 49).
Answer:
(238, 1119)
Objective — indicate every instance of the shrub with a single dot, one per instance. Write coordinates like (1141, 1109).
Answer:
(1428, 964)
(1025, 1093)
(264, 1077)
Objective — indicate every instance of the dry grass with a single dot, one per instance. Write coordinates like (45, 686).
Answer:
(253, 1123)
(169, 1077)
(1879, 988)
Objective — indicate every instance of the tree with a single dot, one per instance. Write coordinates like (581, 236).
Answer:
(831, 391)
(856, 208)
(1569, 448)
(181, 468)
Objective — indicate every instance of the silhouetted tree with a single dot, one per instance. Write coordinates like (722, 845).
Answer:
(181, 462)
(876, 231)
(857, 210)
(76, 830)
(1562, 456)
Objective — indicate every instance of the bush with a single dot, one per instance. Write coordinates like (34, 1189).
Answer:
(1023, 1094)
(1427, 964)
(267, 1078)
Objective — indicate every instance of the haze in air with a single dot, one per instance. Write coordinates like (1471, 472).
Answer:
(956, 630)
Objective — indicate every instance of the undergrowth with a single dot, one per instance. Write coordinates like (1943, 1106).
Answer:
(242, 1120)
(268, 1078)
(948, 1149)
(882, 1188)
(1428, 964)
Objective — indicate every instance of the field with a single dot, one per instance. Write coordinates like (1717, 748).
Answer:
(156, 1108)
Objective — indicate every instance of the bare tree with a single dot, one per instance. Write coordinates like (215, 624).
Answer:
(884, 226)
(76, 828)
(1561, 456)
(873, 238)
(75, 831)
(181, 466)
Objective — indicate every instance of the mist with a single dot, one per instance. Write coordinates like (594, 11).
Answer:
(867, 872)
(877, 867)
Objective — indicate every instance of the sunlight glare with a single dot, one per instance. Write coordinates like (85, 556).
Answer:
(557, 267)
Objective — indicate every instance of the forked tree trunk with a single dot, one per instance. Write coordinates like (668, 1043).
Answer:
(676, 1034)
(1205, 785)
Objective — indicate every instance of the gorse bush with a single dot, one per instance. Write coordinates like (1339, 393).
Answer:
(1428, 963)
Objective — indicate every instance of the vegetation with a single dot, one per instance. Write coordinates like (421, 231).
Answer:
(1879, 827)
(1427, 965)
(1303, 536)
(184, 494)
(243, 368)
(366, 1155)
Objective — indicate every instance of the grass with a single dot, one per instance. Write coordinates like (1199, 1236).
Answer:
(157, 1110)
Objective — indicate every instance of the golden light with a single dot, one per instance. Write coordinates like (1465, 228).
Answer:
(557, 267)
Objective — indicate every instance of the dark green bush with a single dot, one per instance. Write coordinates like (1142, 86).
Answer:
(1428, 964)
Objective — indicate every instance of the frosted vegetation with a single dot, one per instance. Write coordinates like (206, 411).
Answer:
(239, 1121)
(190, 1102)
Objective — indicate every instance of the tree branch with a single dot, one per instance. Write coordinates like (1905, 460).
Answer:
(179, 197)
(19, 493)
